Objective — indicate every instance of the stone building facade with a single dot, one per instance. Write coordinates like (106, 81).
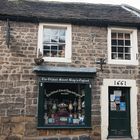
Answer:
(19, 76)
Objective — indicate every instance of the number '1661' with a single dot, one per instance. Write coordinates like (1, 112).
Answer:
(120, 83)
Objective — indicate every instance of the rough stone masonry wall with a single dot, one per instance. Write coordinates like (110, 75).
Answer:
(19, 89)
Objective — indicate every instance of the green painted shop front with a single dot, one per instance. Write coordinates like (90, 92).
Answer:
(64, 100)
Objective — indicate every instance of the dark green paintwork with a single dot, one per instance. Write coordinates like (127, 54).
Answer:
(41, 124)
(119, 121)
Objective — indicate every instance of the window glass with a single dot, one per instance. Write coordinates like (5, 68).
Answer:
(120, 46)
(54, 42)
(64, 104)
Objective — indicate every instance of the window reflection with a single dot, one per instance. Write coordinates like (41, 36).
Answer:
(53, 40)
(64, 104)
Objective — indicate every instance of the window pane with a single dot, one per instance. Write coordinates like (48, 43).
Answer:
(114, 42)
(54, 39)
(62, 39)
(113, 35)
(120, 49)
(47, 47)
(62, 32)
(114, 56)
(46, 35)
(127, 36)
(47, 31)
(54, 48)
(47, 53)
(61, 50)
(53, 53)
(120, 56)
(54, 32)
(127, 56)
(127, 42)
(61, 47)
(127, 50)
(46, 39)
(121, 42)
(114, 49)
(120, 35)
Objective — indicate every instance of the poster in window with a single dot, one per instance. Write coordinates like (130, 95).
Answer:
(112, 97)
(112, 106)
(122, 106)
(117, 92)
(117, 99)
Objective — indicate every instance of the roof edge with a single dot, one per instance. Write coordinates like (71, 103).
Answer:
(131, 9)
(73, 21)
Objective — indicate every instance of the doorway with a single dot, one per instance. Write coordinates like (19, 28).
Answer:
(119, 112)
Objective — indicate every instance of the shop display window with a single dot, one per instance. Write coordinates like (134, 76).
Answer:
(64, 105)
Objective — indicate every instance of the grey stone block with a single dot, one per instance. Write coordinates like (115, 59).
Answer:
(12, 138)
(65, 138)
(84, 137)
(75, 138)
(50, 139)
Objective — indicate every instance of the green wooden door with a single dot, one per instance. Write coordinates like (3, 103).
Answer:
(119, 112)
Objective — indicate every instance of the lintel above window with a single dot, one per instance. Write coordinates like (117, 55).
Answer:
(122, 46)
(54, 42)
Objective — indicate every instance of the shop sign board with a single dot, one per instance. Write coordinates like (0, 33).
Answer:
(65, 80)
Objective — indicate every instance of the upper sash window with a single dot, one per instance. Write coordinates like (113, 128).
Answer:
(54, 42)
(122, 46)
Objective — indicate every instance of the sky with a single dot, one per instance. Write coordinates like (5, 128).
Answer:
(134, 3)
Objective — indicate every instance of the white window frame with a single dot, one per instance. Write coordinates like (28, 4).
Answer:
(68, 47)
(134, 44)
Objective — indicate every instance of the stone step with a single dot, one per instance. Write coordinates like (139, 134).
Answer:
(76, 137)
(120, 139)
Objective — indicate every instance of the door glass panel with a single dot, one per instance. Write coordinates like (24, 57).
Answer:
(117, 101)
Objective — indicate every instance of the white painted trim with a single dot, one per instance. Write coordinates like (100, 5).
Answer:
(134, 44)
(131, 10)
(133, 107)
(68, 49)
